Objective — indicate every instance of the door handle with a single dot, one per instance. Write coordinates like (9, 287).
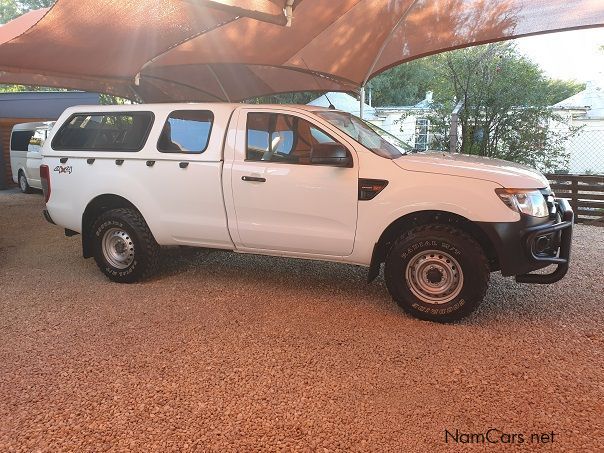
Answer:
(253, 178)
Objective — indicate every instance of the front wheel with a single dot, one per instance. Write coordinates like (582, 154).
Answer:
(437, 273)
(124, 247)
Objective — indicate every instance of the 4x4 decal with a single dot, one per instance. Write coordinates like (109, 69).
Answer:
(61, 169)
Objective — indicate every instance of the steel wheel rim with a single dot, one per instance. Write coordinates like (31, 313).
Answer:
(118, 248)
(22, 182)
(434, 277)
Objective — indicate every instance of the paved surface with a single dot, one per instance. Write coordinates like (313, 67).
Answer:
(223, 352)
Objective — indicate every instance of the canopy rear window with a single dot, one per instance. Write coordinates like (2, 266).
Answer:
(124, 132)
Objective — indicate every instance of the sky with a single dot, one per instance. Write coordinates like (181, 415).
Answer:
(571, 55)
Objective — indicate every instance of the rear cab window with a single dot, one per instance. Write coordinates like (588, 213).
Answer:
(111, 131)
(186, 131)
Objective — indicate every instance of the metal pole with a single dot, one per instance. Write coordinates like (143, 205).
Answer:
(362, 101)
(454, 127)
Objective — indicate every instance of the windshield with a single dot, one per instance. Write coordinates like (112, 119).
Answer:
(370, 136)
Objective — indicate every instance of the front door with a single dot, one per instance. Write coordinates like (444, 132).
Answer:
(282, 201)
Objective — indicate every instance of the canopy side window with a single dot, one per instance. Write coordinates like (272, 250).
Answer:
(126, 132)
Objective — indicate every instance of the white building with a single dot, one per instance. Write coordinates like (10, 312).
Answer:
(585, 110)
(408, 123)
(345, 103)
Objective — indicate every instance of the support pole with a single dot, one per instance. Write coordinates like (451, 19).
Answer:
(453, 138)
(362, 102)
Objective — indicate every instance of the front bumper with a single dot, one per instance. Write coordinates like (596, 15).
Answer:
(531, 244)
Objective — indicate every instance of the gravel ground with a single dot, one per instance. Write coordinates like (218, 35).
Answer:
(226, 352)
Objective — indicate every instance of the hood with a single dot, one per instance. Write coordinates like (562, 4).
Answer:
(507, 174)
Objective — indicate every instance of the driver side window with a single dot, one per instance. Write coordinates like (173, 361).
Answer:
(275, 137)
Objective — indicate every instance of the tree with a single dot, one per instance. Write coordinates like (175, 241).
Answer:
(405, 84)
(506, 100)
(302, 97)
(9, 9)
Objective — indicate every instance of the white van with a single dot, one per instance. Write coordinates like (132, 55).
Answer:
(26, 143)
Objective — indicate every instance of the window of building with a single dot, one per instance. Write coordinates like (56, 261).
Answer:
(186, 131)
(422, 128)
(275, 137)
(104, 132)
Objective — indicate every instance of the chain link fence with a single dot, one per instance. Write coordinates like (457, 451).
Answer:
(586, 151)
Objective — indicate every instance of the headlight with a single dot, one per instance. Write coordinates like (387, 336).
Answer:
(529, 202)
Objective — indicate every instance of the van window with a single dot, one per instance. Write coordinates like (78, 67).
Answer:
(19, 140)
(186, 131)
(104, 132)
(275, 137)
(37, 140)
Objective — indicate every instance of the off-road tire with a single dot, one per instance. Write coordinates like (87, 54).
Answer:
(457, 244)
(23, 184)
(146, 249)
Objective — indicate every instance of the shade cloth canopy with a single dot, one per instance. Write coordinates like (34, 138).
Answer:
(203, 50)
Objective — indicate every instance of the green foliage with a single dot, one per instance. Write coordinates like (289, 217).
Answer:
(108, 99)
(506, 100)
(405, 84)
(303, 97)
(9, 9)
(22, 88)
(559, 90)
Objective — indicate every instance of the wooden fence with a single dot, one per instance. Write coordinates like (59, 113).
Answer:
(586, 195)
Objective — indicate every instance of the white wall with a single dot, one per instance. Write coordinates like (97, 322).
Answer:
(586, 148)
(398, 124)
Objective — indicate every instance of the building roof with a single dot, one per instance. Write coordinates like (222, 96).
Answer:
(42, 104)
(345, 103)
(592, 99)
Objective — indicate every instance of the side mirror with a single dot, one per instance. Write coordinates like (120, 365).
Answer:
(332, 154)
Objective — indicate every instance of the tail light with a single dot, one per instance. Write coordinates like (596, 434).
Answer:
(45, 179)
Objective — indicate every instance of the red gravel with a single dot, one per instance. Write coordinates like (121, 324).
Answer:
(226, 352)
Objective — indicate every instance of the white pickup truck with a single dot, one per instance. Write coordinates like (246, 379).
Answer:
(301, 182)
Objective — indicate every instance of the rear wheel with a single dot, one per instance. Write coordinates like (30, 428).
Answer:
(437, 273)
(123, 246)
(23, 184)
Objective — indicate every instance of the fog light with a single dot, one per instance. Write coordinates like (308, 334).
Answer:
(541, 244)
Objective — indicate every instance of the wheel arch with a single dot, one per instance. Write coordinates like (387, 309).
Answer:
(418, 218)
(96, 207)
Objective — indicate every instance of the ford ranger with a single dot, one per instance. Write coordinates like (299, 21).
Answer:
(302, 182)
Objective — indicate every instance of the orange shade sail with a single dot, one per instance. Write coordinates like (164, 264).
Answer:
(213, 50)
